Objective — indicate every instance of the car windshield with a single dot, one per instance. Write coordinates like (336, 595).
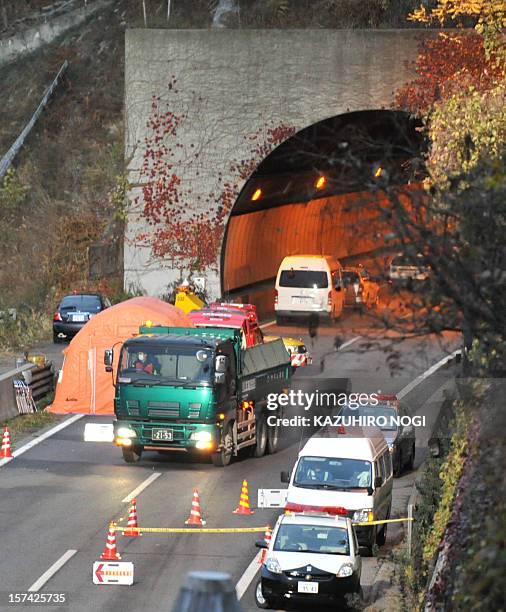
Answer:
(385, 417)
(331, 473)
(165, 365)
(304, 279)
(312, 539)
(81, 303)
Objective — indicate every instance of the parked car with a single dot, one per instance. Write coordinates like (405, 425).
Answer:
(314, 557)
(400, 439)
(74, 311)
(405, 269)
(359, 289)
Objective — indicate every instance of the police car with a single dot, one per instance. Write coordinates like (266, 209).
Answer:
(312, 557)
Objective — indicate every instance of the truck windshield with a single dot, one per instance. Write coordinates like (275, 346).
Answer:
(166, 364)
(304, 279)
(330, 473)
(313, 539)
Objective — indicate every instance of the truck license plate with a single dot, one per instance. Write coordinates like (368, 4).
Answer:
(161, 434)
(307, 587)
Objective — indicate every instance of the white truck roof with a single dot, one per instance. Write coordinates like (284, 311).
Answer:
(350, 445)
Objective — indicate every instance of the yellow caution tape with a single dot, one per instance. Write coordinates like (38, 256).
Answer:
(397, 520)
(191, 529)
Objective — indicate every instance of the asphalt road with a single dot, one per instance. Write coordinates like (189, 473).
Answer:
(62, 494)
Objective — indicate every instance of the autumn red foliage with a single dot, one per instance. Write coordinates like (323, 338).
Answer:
(446, 65)
(186, 229)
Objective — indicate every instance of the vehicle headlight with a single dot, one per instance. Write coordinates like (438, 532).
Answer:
(125, 432)
(345, 571)
(273, 566)
(201, 436)
(363, 516)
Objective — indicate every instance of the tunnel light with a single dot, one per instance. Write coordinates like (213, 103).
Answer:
(320, 182)
(256, 196)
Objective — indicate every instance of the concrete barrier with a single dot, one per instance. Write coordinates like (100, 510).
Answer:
(8, 406)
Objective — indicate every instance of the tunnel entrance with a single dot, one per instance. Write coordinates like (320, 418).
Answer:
(320, 192)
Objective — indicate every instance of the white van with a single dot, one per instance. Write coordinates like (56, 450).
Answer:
(309, 284)
(348, 474)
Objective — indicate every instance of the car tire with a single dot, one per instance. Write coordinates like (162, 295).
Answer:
(223, 457)
(272, 439)
(262, 602)
(261, 436)
(132, 454)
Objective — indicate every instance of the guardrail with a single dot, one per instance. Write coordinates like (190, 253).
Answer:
(40, 380)
(8, 158)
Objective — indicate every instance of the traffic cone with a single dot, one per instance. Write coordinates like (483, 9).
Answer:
(243, 507)
(195, 517)
(5, 452)
(132, 521)
(267, 540)
(110, 552)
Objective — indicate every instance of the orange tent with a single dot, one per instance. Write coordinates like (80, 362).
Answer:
(83, 384)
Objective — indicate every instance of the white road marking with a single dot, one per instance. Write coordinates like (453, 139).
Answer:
(247, 578)
(41, 438)
(348, 342)
(141, 487)
(38, 584)
(414, 383)
(268, 324)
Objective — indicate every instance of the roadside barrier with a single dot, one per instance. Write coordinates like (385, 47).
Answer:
(195, 517)
(243, 507)
(397, 520)
(193, 529)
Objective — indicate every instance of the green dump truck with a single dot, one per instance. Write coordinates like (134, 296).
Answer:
(196, 390)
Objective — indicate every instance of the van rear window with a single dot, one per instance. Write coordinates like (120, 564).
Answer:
(307, 279)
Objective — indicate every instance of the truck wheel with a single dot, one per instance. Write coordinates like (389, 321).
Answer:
(261, 435)
(223, 457)
(272, 439)
(132, 454)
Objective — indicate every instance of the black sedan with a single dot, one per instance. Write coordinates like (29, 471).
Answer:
(74, 311)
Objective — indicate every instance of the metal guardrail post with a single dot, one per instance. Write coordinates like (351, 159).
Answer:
(207, 592)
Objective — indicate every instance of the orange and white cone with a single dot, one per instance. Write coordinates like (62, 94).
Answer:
(243, 507)
(195, 517)
(132, 521)
(110, 552)
(267, 540)
(5, 452)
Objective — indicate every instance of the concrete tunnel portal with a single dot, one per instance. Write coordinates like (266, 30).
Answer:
(320, 192)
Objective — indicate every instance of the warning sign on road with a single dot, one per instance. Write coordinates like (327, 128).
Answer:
(106, 572)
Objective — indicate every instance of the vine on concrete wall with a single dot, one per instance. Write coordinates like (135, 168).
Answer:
(187, 229)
